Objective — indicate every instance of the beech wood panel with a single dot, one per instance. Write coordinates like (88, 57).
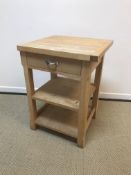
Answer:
(39, 61)
(59, 119)
(62, 92)
(70, 47)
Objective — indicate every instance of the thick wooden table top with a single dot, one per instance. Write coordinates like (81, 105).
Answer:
(68, 47)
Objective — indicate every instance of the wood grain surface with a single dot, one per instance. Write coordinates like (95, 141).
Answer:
(68, 47)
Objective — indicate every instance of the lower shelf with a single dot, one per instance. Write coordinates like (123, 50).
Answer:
(59, 119)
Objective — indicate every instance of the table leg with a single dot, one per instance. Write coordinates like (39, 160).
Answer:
(30, 91)
(53, 76)
(84, 103)
(97, 85)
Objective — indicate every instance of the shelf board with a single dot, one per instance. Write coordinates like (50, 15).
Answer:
(61, 92)
(59, 119)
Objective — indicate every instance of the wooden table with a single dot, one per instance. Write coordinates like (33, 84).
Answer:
(70, 97)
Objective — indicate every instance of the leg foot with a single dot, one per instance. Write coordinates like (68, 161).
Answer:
(33, 126)
(81, 142)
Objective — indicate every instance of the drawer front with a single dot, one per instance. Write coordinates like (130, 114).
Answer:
(36, 61)
(54, 64)
(69, 66)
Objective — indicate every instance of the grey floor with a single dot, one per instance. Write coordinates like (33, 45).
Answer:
(27, 152)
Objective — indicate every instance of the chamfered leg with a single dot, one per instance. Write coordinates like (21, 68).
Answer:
(30, 91)
(84, 103)
(97, 86)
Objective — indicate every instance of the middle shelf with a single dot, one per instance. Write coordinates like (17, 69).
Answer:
(61, 92)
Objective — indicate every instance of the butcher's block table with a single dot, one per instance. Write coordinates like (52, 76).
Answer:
(70, 97)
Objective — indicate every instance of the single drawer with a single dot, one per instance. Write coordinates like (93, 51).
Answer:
(54, 64)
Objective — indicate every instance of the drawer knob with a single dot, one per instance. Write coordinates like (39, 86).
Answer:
(52, 64)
